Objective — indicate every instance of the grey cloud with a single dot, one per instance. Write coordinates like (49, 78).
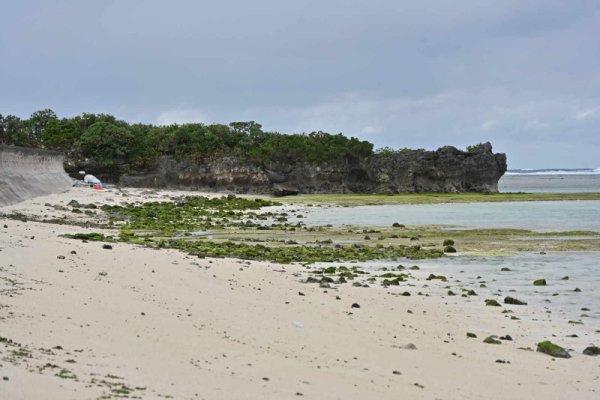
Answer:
(522, 73)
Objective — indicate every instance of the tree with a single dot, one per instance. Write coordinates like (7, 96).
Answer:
(106, 143)
(39, 121)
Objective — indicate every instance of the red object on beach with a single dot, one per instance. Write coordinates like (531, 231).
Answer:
(98, 187)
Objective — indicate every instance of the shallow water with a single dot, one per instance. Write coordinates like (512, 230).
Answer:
(550, 183)
(543, 216)
(582, 268)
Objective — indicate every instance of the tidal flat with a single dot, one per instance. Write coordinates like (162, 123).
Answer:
(248, 297)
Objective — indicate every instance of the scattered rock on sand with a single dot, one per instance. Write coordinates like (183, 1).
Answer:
(493, 303)
(491, 340)
(554, 350)
(512, 300)
(539, 282)
(107, 246)
(471, 335)
(592, 351)
(355, 305)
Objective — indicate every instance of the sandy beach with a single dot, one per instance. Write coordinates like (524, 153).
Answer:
(79, 321)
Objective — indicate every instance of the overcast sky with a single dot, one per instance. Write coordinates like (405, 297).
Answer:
(523, 74)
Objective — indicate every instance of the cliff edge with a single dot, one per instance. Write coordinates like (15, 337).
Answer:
(27, 173)
(447, 170)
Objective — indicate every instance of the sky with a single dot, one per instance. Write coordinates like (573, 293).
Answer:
(522, 74)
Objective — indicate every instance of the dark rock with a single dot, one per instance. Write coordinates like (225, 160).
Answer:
(564, 278)
(547, 347)
(471, 335)
(512, 300)
(539, 282)
(592, 351)
(492, 302)
(107, 246)
(446, 170)
(505, 269)
(448, 242)
(449, 249)
(396, 372)
(355, 305)
(279, 191)
(491, 340)
(577, 290)
(398, 225)
(74, 204)
(506, 337)
(301, 294)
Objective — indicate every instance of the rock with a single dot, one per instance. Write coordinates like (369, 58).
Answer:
(471, 335)
(301, 294)
(60, 257)
(547, 347)
(74, 204)
(449, 249)
(592, 351)
(396, 372)
(505, 269)
(448, 242)
(280, 191)
(506, 337)
(512, 300)
(539, 282)
(5, 226)
(355, 305)
(405, 294)
(106, 246)
(491, 340)
(410, 346)
(564, 278)
(398, 225)
(492, 303)
(445, 170)
(577, 290)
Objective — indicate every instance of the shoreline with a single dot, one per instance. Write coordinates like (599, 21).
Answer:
(138, 321)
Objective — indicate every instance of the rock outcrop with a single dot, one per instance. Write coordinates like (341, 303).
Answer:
(27, 173)
(444, 170)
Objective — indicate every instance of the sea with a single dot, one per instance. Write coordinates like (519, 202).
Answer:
(564, 271)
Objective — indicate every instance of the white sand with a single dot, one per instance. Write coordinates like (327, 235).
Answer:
(174, 325)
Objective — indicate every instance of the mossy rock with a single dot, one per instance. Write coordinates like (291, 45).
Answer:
(491, 340)
(539, 282)
(554, 350)
(449, 249)
(471, 335)
(512, 300)
(492, 303)
(505, 269)
(448, 242)
(471, 293)
(592, 351)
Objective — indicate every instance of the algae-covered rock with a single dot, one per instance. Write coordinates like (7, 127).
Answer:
(554, 350)
(471, 335)
(539, 282)
(449, 249)
(492, 303)
(491, 340)
(448, 242)
(592, 351)
(512, 300)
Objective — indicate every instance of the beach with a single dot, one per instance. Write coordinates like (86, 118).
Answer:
(86, 320)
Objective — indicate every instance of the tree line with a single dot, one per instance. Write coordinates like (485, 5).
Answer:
(114, 143)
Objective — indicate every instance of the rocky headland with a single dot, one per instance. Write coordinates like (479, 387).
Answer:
(447, 170)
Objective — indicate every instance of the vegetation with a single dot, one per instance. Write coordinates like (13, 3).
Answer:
(351, 200)
(116, 144)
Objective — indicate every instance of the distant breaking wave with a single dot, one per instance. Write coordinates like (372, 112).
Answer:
(550, 171)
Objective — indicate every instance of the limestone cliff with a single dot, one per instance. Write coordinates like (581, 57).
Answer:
(444, 170)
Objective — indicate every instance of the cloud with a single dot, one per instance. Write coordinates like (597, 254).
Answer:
(588, 113)
(181, 116)
(489, 125)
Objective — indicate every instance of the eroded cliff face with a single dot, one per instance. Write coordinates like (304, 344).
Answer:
(27, 173)
(444, 170)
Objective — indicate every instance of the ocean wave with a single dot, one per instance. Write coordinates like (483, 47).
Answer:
(549, 171)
